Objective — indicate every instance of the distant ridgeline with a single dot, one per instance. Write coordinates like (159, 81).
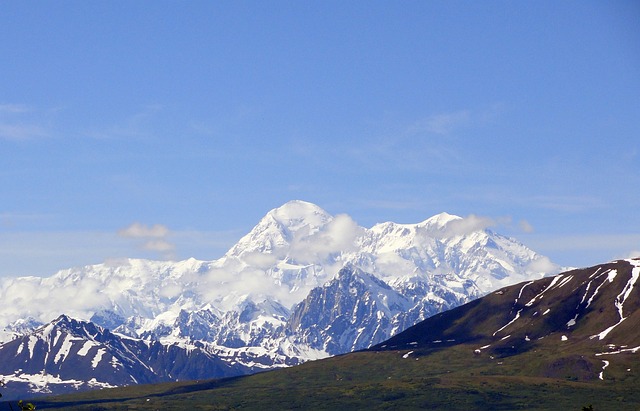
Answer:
(301, 285)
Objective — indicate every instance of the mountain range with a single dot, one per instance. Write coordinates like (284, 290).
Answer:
(565, 342)
(301, 285)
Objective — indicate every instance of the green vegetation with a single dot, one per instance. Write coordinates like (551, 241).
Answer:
(452, 378)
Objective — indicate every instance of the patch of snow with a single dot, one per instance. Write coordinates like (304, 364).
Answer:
(84, 350)
(40, 383)
(565, 281)
(509, 323)
(605, 365)
(96, 360)
(541, 294)
(94, 383)
(63, 352)
(564, 338)
(623, 350)
(407, 354)
(521, 290)
(620, 300)
(32, 344)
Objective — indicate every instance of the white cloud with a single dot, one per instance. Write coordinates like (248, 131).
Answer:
(468, 225)
(159, 245)
(154, 238)
(338, 235)
(542, 265)
(260, 260)
(139, 230)
(43, 297)
(632, 254)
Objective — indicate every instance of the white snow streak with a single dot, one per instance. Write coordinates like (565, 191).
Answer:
(98, 357)
(620, 351)
(63, 352)
(522, 289)
(565, 281)
(85, 348)
(606, 364)
(610, 277)
(555, 280)
(621, 298)
(32, 344)
(509, 323)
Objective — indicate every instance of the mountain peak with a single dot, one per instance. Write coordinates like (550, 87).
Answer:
(296, 213)
(276, 229)
(439, 221)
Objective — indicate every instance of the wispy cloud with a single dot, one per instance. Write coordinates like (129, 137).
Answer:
(152, 238)
(442, 123)
(566, 203)
(449, 122)
(16, 123)
(21, 131)
(391, 204)
(632, 254)
(13, 108)
(525, 226)
(138, 230)
(11, 220)
(428, 143)
(25, 252)
(136, 125)
(468, 225)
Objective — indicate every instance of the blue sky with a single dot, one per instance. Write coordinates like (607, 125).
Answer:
(164, 129)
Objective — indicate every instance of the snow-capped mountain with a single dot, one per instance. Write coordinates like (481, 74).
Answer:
(301, 285)
(582, 323)
(68, 355)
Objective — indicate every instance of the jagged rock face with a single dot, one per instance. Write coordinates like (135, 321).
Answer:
(67, 355)
(353, 310)
(301, 285)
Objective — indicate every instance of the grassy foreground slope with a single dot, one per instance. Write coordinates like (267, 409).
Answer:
(452, 378)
